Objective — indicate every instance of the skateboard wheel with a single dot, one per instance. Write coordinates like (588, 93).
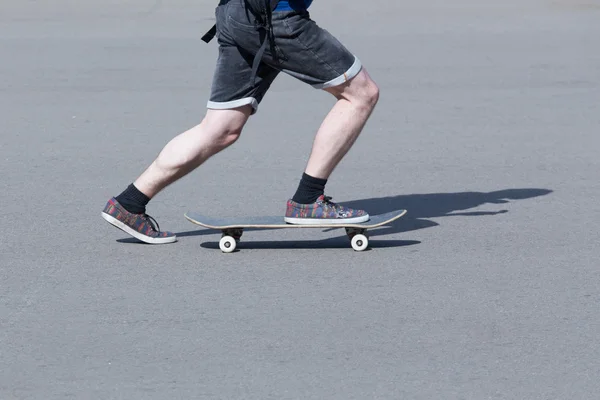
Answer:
(227, 244)
(360, 242)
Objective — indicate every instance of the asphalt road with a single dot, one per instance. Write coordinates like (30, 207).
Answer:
(486, 132)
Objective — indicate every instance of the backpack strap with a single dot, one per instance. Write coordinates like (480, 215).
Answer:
(267, 28)
(208, 36)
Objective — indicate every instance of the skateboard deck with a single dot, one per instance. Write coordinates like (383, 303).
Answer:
(232, 227)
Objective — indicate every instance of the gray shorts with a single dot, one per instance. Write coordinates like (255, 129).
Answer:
(303, 50)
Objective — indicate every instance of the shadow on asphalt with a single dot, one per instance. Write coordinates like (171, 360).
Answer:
(332, 243)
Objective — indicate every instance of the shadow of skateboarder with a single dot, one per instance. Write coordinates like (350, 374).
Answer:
(422, 207)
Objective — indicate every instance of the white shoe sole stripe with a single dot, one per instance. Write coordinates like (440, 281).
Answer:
(326, 221)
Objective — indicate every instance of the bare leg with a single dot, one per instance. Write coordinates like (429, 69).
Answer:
(189, 150)
(184, 153)
(342, 126)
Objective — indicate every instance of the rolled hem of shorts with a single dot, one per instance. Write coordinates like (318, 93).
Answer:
(228, 105)
(351, 73)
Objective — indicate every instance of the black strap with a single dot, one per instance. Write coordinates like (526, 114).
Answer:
(208, 36)
(267, 36)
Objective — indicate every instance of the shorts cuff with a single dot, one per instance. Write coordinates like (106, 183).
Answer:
(228, 105)
(351, 73)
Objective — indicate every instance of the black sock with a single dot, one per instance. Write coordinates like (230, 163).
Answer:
(133, 200)
(309, 189)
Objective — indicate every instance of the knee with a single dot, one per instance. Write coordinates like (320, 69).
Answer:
(371, 94)
(368, 91)
(227, 135)
(223, 132)
(361, 91)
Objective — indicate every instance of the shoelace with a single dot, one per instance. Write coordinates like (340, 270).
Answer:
(152, 222)
(327, 200)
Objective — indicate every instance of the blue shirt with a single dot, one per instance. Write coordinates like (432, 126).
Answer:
(289, 5)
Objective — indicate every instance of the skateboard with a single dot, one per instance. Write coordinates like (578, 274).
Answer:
(233, 228)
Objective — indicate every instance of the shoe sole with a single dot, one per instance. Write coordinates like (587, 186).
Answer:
(146, 239)
(326, 221)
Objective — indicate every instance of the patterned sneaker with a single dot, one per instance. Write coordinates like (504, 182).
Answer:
(140, 226)
(323, 211)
